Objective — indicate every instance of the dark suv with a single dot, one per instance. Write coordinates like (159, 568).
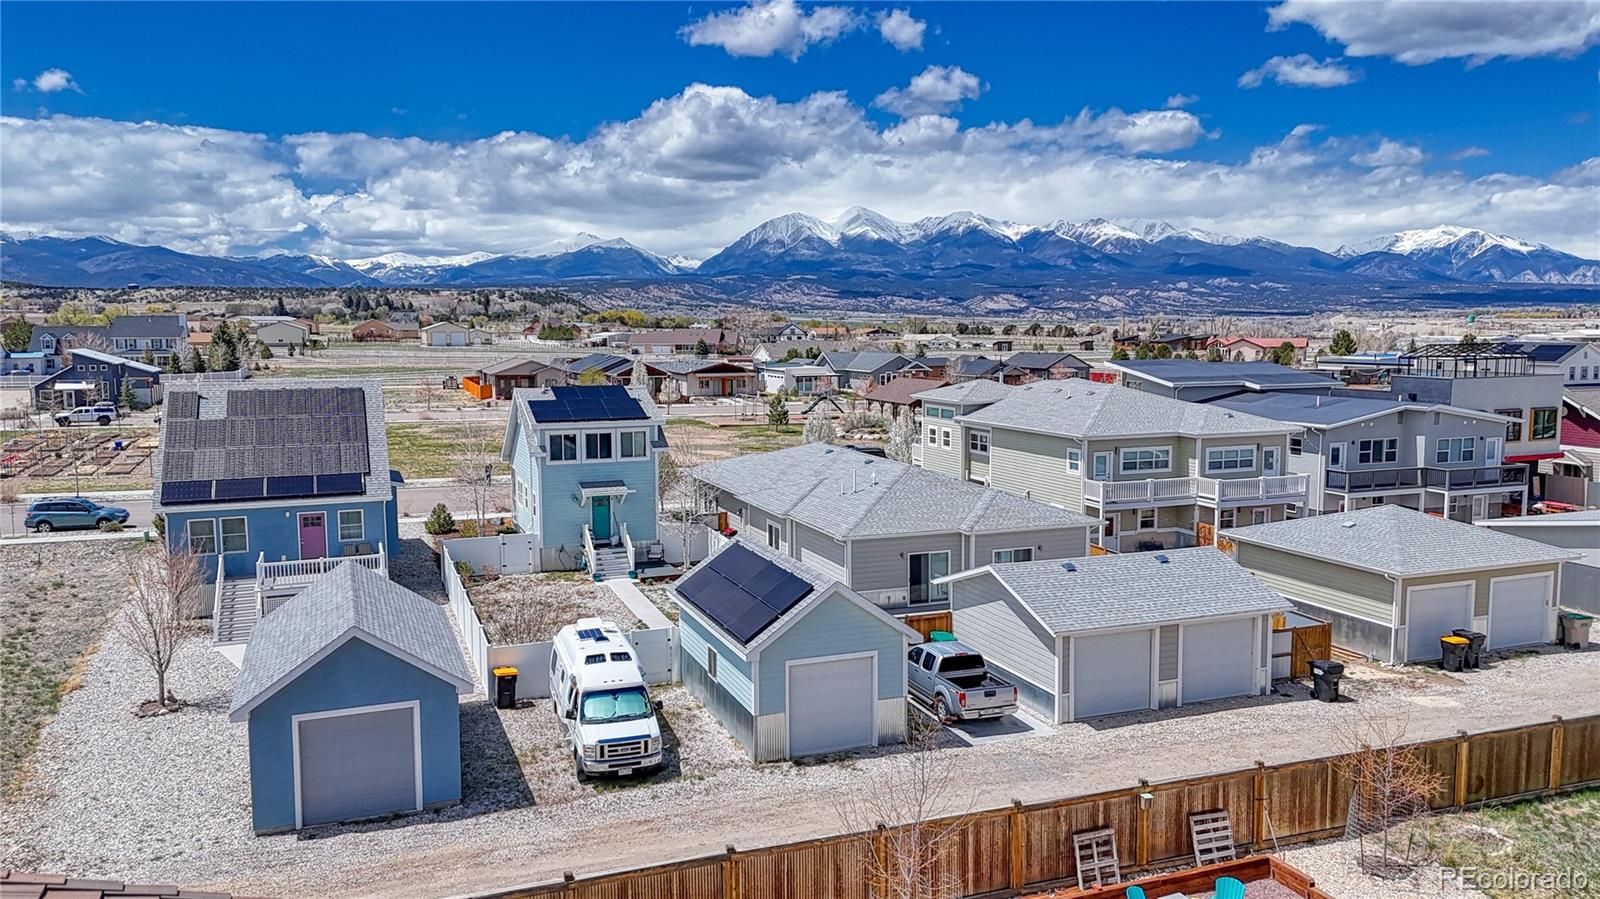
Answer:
(71, 512)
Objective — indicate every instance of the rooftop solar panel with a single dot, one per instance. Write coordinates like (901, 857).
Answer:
(743, 592)
(337, 484)
(174, 492)
(294, 485)
(241, 488)
(587, 403)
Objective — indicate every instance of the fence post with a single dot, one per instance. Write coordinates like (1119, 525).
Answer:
(1141, 840)
(1260, 791)
(568, 885)
(1461, 768)
(730, 876)
(1018, 875)
(1558, 736)
(880, 856)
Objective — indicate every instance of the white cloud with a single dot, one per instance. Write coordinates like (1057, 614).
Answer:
(692, 172)
(1179, 101)
(1300, 70)
(899, 28)
(1389, 154)
(771, 27)
(937, 89)
(1416, 33)
(48, 82)
(1469, 153)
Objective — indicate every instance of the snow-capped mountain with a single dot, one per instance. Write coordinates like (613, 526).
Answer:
(1472, 254)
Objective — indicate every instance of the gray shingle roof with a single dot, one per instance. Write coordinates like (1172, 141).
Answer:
(843, 494)
(1316, 411)
(967, 393)
(1137, 588)
(1258, 375)
(1399, 541)
(348, 597)
(865, 362)
(1086, 409)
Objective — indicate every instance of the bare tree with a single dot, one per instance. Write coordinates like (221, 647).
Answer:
(427, 391)
(163, 597)
(473, 469)
(683, 498)
(670, 393)
(639, 376)
(819, 428)
(1391, 787)
(902, 435)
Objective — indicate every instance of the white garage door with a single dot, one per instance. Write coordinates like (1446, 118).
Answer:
(1111, 673)
(1518, 610)
(357, 766)
(1217, 660)
(1433, 612)
(831, 705)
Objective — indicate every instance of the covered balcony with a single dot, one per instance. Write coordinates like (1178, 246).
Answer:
(1454, 480)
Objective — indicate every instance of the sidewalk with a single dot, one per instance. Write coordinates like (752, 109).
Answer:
(638, 603)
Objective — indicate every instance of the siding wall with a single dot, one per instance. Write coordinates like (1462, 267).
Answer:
(561, 518)
(1481, 579)
(1056, 543)
(879, 564)
(1321, 584)
(733, 673)
(820, 552)
(275, 531)
(522, 468)
(836, 626)
(943, 459)
(1035, 466)
(989, 619)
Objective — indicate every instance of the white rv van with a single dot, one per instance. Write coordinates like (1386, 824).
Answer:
(598, 691)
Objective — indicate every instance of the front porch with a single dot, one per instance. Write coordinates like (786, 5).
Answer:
(238, 603)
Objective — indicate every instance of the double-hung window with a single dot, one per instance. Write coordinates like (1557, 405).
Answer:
(1147, 519)
(1455, 449)
(1297, 445)
(235, 535)
(563, 447)
(933, 436)
(633, 444)
(1231, 458)
(352, 525)
(1377, 451)
(202, 536)
(1019, 554)
(978, 442)
(944, 437)
(597, 445)
(1513, 427)
(1074, 460)
(1148, 459)
(1226, 518)
(1544, 424)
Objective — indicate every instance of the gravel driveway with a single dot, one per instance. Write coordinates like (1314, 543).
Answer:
(166, 800)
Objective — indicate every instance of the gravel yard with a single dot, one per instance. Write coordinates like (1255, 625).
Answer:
(660, 593)
(527, 608)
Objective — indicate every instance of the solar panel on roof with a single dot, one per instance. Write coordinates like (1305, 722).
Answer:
(173, 492)
(294, 485)
(241, 488)
(743, 592)
(336, 484)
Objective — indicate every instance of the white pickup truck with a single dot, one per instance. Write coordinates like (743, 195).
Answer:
(100, 414)
(952, 679)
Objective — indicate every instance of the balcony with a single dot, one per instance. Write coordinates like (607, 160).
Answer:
(1182, 491)
(1143, 494)
(1287, 488)
(1378, 480)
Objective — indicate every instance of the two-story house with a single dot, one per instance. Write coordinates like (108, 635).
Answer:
(583, 462)
(1577, 362)
(885, 529)
(1197, 381)
(1157, 472)
(91, 376)
(128, 336)
(1366, 451)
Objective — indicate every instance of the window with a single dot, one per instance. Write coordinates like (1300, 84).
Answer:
(1074, 460)
(1147, 519)
(202, 536)
(1231, 458)
(1584, 373)
(1019, 554)
(563, 447)
(1513, 428)
(933, 436)
(1225, 518)
(1336, 455)
(916, 655)
(947, 413)
(774, 536)
(1297, 445)
(597, 445)
(978, 442)
(352, 524)
(1154, 459)
(235, 536)
(711, 662)
(924, 569)
(1544, 424)
(1455, 449)
(633, 445)
(1372, 452)
(1260, 516)
(1291, 511)
(944, 436)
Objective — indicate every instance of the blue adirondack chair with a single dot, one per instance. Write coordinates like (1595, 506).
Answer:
(1229, 888)
(1134, 893)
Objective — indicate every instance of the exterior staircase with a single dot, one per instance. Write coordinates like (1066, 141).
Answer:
(608, 562)
(237, 607)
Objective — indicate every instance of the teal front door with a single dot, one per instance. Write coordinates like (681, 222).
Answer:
(601, 523)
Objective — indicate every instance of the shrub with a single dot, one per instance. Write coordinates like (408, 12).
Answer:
(467, 529)
(440, 521)
(160, 524)
(464, 570)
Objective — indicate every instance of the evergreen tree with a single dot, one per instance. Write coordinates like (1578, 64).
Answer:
(1119, 354)
(148, 357)
(126, 400)
(701, 348)
(777, 412)
(16, 334)
(1343, 343)
(1214, 353)
(1285, 354)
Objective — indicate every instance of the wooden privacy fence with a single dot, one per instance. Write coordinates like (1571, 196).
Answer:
(1022, 848)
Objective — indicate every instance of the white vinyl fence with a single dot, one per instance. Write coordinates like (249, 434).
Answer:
(504, 553)
(471, 628)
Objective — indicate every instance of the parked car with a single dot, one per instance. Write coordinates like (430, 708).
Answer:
(953, 680)
(71, 512)
(599, 693)
(99, 413)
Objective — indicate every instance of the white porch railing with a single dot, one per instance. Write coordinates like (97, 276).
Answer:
(216, 605)
(291, 573)
(588, 548)
(1274, 488)
(628, 545)
(1147, 491)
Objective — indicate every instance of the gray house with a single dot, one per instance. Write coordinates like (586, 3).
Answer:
(790, 660)
(1112, 634)
(853, 370)
(886, 530)
(1159, 473)
(127, 336)
(1197, 381)
(1576, 531)
(1361, 451)
(1393, 581)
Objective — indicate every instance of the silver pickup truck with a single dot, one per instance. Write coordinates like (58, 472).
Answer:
(951, 679)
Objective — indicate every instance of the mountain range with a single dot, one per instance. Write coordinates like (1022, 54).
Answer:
(960, 254)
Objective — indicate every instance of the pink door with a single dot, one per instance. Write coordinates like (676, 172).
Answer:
(313, 535)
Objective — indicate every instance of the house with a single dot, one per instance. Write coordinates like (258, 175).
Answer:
(1158, 472)
(283, 333)
(791, 661)
(777, 332)
(379, 330)
(127, 335)
(884, 529)
(1197, 381)
(873, 332)
(498, 379)
(271, 483)
(1574, 479)
(780, 352)
(610, 368)
(1119, 633)
(1178, 343)
(25, 363)
(453, 334)
(830, 332)
(1258, 349)
(855, 370)
(966, 368)
(1040, 366)
(349, 691)
(583, 463)
(1577, 362)
(799, 377)
(707, 377)
(1393, 580)
(683, 341)
(1575, 531)
(91, 376)
(1360, 451)
(899, 395)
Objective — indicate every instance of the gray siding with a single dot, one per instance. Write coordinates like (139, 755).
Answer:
(989, 619)
(1056, 543)
(883, 564)
(733, 673)
(1322, 584)
(1167, 663)
(1035, 466)
(820, 552)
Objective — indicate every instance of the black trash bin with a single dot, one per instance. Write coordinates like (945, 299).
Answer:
(505, 687)
(1453, 652)
(1475, 642)
(1325, 675)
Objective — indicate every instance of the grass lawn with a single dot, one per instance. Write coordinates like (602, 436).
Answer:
(1547, 835)
(428, 450)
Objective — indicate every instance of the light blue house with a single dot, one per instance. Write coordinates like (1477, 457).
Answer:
(792, 662)
(350, 691)
(272, 484)
(583, 463)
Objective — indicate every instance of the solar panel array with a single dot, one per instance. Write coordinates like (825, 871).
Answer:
(278, 443)
(743, 592)
(599, 403)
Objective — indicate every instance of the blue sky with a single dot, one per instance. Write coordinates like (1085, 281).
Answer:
(1504, 97)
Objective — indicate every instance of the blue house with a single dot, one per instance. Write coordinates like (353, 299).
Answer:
(350, 691)
(789, 660)
(272, 484)
(583, 463)
(90, 375)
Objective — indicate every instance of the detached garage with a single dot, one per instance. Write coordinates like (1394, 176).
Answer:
(788, 659)
(350, 691)
(1394, 580)
(1119, 633)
